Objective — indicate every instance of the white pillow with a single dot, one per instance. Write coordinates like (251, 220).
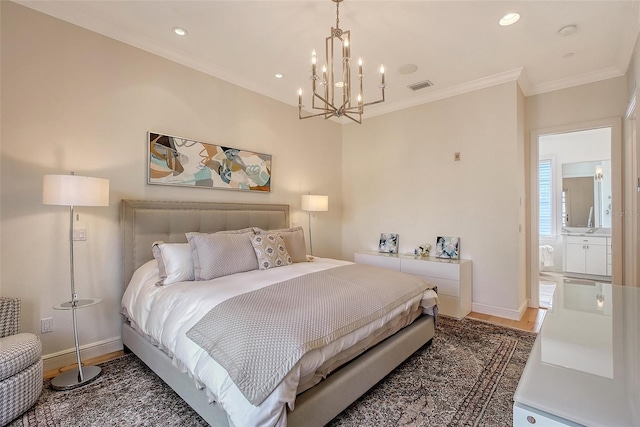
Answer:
(174, 262)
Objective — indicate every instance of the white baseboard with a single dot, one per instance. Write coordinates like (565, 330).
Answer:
(499, 311)
(68, 357)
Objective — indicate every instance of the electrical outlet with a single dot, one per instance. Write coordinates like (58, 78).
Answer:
(79, 233)
(46, 325)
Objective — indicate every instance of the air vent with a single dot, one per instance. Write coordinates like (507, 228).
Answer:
(420, 85)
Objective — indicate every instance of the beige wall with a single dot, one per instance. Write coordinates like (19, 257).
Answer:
(399, 176)
(595, 101)
(75, 100)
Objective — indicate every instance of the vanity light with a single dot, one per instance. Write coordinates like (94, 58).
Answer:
(509, 19)
(599, 174)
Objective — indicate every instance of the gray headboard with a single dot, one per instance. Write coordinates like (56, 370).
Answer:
(144, 222)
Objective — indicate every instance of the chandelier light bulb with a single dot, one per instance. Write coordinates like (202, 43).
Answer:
(299, 91)
(314, 58)
(360, 62)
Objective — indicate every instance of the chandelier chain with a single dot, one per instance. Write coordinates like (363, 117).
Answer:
(337, 32)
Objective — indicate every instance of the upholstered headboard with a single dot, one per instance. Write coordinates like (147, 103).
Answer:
(144, 222)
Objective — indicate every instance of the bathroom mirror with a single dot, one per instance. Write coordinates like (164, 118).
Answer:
(586, 194)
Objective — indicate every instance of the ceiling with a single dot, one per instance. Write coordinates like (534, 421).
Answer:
(457, 45)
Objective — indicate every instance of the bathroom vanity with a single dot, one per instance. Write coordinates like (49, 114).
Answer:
(587, 252)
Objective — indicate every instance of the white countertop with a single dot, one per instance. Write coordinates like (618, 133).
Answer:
(586, 231)
(585, 364)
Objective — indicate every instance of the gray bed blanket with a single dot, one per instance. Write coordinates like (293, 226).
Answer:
(259, 336)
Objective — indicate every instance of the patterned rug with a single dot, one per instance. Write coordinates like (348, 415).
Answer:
(466, 377)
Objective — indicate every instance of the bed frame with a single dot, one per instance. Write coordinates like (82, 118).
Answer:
(144, 222)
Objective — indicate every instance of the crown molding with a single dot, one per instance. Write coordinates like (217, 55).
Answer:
(436, 95)
(582, 79)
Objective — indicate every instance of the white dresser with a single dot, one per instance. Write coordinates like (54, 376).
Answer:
(583, 369)
(452, 277)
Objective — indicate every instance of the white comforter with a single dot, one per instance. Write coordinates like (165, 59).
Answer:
(165, 313)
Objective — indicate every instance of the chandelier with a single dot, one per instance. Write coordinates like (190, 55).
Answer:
(336, 74)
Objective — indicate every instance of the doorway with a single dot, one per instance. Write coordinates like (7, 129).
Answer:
(582, 205)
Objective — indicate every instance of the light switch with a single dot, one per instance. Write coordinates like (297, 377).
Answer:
(80, 233)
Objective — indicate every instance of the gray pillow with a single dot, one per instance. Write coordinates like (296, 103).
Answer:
(221, 254)
(293, 241)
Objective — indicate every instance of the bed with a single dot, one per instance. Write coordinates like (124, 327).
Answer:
(146, 222)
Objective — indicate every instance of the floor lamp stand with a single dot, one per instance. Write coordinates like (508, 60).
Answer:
(81, 375)
(310, 241)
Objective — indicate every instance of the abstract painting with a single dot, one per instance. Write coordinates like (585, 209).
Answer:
(184, 162)
(388, 243)
(448, 247)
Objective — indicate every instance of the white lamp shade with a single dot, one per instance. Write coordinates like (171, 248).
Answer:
(315, 203)
(74, 190)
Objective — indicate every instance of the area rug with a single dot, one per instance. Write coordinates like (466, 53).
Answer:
(466, 377)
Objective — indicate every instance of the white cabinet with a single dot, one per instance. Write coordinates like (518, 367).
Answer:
(586, 255)
(452, 277)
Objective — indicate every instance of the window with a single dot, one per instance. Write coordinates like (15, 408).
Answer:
(546, 198)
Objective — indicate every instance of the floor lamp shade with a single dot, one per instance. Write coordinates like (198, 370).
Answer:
(315, 203)
(75, 190)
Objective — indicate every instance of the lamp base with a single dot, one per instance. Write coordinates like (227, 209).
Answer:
(69, 380)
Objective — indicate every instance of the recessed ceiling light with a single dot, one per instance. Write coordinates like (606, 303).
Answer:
(408, 69)
(279, 76)
(567, 30)
(509, 19)
(180, 31)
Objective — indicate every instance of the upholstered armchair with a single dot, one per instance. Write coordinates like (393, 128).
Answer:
(20, 364)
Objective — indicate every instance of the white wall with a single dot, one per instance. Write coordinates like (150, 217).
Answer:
(399, 176)
(75, 100)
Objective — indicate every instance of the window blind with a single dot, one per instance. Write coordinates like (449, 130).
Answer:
(545, 204)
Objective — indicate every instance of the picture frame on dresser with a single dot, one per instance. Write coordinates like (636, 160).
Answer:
(388, 243)
(448, 247)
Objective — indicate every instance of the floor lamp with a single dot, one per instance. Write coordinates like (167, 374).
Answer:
(73, 190)
(314, 203)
